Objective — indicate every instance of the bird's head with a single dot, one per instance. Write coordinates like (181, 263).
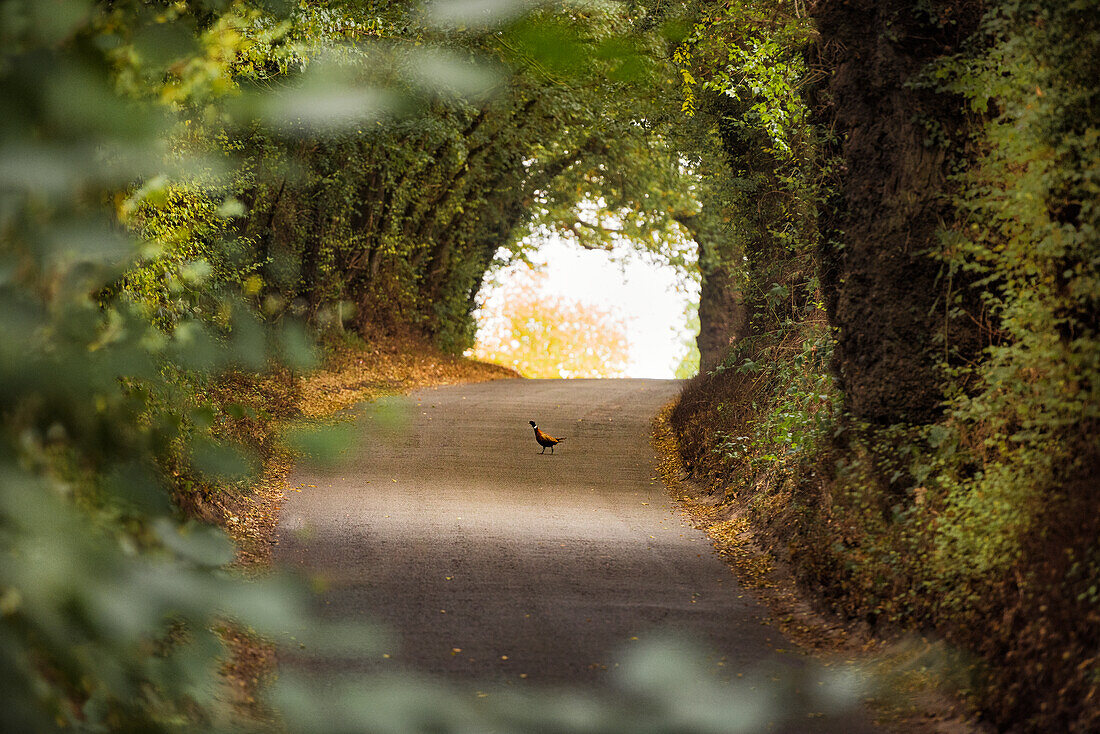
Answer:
(532, 423)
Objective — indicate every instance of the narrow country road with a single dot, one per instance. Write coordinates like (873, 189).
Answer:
(494, 563)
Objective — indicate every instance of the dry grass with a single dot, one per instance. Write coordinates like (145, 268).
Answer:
(353, 374)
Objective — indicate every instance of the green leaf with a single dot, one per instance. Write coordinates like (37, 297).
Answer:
(322, 444)
(218, 460)
(201, 544)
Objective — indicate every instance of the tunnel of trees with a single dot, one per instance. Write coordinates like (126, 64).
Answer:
(891, 204)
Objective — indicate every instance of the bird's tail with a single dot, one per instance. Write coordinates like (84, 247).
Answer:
(562, 438)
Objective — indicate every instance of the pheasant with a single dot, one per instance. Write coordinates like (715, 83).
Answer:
(544, 440)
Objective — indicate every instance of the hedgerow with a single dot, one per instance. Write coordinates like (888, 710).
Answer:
(977, 520)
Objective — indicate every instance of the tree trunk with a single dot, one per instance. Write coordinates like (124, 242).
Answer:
(883, 291)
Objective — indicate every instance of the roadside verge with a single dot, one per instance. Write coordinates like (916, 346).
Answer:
(907, 671)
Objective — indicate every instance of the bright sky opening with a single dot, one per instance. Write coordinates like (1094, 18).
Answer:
(652, 299)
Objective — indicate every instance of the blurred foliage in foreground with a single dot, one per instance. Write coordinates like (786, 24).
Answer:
(112, 601)
(144, 152)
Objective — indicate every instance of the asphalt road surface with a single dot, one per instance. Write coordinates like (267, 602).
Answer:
(493, 563)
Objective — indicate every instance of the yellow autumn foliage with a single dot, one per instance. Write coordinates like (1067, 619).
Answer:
(540, 334)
